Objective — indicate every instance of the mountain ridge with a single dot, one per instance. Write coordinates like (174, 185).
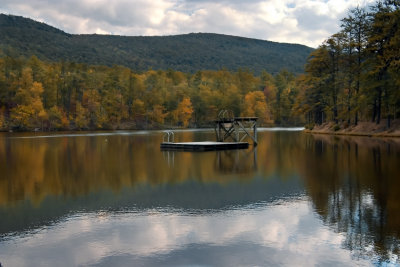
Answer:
(184, 52)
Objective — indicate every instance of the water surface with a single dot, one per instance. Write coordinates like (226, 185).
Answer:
(116, 199)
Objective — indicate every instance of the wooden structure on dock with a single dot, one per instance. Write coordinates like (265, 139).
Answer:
(226, 127)
(236, 128)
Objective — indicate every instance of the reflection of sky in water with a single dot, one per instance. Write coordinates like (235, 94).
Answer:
(287, 233)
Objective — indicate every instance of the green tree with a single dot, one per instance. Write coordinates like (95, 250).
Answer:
(315, 97)
(355, 27)
(283, 81)
(383, 44)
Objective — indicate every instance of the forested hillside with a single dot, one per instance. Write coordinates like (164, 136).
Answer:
(186, 53)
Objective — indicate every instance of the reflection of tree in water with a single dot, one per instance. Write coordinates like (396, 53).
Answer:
(32, 169)
(354, 186)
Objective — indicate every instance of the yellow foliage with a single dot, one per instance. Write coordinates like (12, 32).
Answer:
(36, 89)
(29, 112)
(111, 96)
(138, 108)
(256, 106)
(21, 115)
(184, 111)
(157, 114)
(55, 117)
(43, 115)
(64, 121)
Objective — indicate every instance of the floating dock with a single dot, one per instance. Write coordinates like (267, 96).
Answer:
(203, 146)
(226, 126)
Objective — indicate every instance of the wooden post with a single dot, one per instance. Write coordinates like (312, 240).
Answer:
(255, 133)
(237, 136)
(216, 128)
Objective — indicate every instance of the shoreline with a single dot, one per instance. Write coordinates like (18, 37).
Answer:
(383, 134)
(368, 129)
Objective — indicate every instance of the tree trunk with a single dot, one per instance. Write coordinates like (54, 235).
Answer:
(374, 111)
(356, 118)
(379, 107)
(348, 112)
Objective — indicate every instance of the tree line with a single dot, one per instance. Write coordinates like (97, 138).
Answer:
(354, 74)
(69, 96)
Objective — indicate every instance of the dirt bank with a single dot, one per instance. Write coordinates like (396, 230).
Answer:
(361, 129)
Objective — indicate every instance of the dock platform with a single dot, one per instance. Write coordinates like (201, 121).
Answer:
(203, 146)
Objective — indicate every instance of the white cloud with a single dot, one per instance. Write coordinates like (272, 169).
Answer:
(295, 21)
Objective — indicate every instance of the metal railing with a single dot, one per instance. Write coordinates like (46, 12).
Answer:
(170, 136)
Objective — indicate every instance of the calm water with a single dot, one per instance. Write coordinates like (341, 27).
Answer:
(115, 199)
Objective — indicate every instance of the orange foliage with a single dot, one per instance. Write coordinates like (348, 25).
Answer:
(256, 106)
(184, 111)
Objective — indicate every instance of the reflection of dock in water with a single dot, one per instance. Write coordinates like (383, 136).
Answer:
(226, 127)
(225, 161)
(170, 158)
(239, 161)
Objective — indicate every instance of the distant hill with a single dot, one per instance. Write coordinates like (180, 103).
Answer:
(188, 52)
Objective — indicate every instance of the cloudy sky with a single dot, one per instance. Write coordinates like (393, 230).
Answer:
(306, 22)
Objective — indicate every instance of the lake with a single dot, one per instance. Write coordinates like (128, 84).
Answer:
(116, 199)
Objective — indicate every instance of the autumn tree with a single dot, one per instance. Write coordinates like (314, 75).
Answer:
(29, 111)
(184, 111)
(157, 115)
(256, 106)
(57, 119)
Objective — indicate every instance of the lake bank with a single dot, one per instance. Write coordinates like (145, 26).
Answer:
(361, 129)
